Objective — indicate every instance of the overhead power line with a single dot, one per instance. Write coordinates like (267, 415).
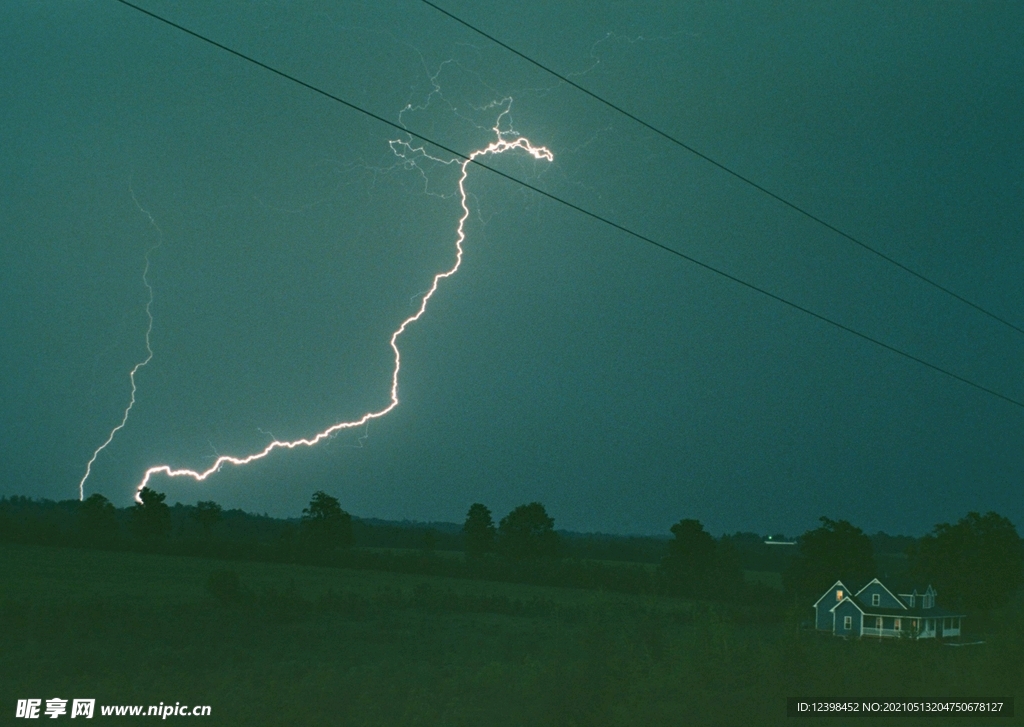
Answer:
(725, 169)
(581, 210)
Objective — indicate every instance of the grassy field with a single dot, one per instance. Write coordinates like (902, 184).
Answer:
(768, 578)
(301, 645)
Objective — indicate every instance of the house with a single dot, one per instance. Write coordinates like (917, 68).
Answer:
(874, 610)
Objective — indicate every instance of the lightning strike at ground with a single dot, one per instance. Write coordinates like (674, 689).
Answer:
(149, 349)
(500, 146)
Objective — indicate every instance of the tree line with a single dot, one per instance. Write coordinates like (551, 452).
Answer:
(976, 563)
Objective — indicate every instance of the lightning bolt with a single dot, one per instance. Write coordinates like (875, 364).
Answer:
(506, 141)
(149, 348)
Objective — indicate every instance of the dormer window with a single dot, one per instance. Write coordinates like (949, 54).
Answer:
(875, 599)
(912, 597)
(839, 595)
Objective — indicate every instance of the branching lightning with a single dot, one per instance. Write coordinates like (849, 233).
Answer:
(506, 141)
(149, 348)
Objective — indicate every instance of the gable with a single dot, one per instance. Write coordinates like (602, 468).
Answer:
(919, 599)
(832, 596)
(846, 607)
(928, 598)
(877, 595)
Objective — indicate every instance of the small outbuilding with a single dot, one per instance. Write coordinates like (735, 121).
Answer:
(874, 610)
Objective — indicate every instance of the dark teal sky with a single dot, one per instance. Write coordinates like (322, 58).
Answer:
(566, 362)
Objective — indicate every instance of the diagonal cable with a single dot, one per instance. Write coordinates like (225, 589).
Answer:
(577, 208)
(726, 169)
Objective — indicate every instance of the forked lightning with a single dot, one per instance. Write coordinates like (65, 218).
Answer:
(499, 146)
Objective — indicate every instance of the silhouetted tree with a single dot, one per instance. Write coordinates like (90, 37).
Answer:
(527, 533)
(697, 565)
(837, 550)
(207, 513)
(325, 526)
(691, 553)
(976, 563)
(97, 519)
(151, 518)
(478, 531)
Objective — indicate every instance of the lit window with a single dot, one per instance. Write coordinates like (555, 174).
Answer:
(848, 623)
(897, 625)
(875, 598)
(839, 594)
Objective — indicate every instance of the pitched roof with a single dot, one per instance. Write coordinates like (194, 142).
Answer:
(906, 612)
(875, 580)
(837, 583)
(850, 600)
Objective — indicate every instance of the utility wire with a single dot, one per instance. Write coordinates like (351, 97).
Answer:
(725, 169)
(577, 208)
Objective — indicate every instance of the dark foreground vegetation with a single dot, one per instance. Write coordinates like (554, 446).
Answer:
(328, 619)
(276, 644)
